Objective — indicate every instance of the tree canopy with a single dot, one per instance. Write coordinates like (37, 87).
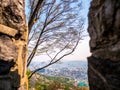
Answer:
(55, 28)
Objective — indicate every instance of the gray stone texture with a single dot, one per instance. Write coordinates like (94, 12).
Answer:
(104, 31)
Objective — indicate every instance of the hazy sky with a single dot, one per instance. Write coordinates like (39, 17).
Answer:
(82, 51)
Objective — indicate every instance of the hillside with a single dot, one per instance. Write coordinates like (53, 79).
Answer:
(41, 82)
(76, 70)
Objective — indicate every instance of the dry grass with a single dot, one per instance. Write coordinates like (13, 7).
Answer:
(84, 88)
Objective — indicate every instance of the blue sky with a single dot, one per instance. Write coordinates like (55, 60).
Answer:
(82, 51)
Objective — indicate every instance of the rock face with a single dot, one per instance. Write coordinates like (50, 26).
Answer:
(8, 49)
(13, 45)
(104, 31)
(12, 14)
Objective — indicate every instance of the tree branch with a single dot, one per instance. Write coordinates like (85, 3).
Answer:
(36, 70)
(32, 17)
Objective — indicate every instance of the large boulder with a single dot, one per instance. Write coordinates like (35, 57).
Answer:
(104, 31)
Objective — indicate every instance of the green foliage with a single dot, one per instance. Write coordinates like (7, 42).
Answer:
(55, 83)
(82, 84)
(60, 79)
(28, 72)
(41, 86)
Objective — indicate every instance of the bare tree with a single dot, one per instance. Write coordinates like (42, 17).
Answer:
(55, 28)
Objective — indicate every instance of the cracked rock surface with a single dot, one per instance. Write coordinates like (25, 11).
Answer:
(8, 49)
(104, 31)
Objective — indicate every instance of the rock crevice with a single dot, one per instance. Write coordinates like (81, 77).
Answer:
(104, 31)
(13, 45)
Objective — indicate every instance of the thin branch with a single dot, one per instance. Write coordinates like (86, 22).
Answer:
(54, 61)
(48, 55)
(31, 36)
(37, 43)
(32, 17)
(58, 53)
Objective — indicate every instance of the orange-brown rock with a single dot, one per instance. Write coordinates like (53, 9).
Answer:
(8, 49)
(13, 45)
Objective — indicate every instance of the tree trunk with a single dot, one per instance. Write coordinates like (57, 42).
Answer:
(13, 45)
(104, 30)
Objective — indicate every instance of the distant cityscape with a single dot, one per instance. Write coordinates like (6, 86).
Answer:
(74, 70)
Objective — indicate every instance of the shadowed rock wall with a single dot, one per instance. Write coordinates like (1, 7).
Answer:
(104, 31)
(13, 45)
